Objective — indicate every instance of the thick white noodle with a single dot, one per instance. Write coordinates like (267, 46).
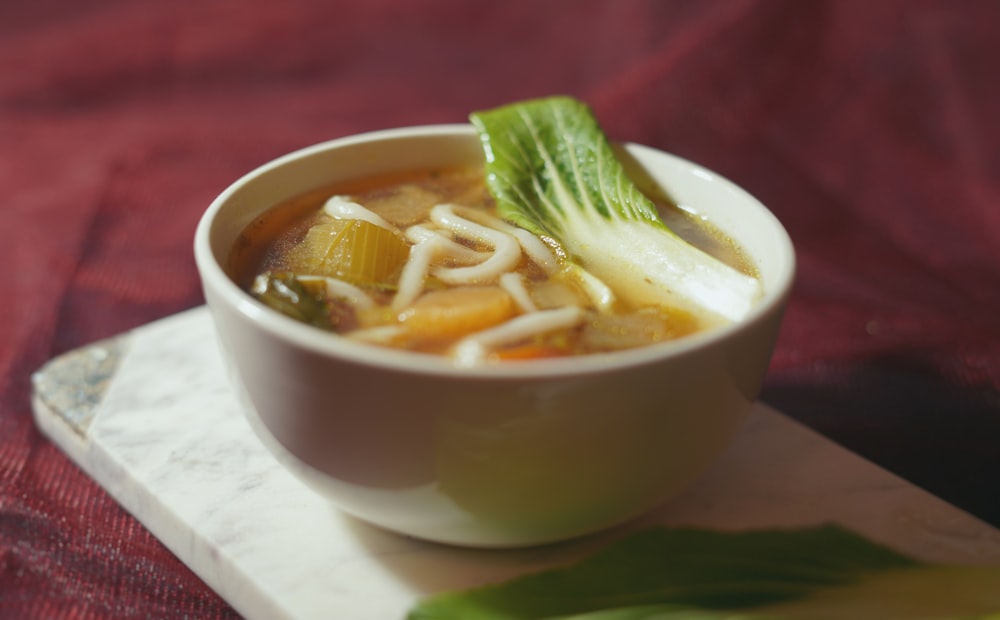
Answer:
(353, 295)
(411, 279)
(506, 249)
(535, 248)
(600, 294)
(343, 208)
(513, 283)
(454, 251)
(381, 334)
(542, 254)
(506, 242)
(473, 350)
(429, 245)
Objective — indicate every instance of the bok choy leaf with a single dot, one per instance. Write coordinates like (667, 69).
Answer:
(553, 171)
(819, 573)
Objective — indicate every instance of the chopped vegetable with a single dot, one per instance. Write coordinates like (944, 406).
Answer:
(474, 349)
(293, 298)
(356, 251)
(820, 573)
(609, 332)
(455, 312)
(553, 171)
(559, 290)
(308, 256)
(532, 351)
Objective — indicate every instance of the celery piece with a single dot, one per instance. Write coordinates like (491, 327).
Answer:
(366, 254)
(356, 251)
(308, 256)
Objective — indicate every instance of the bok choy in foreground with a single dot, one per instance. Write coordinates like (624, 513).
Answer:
(553, 171)
(821, 573)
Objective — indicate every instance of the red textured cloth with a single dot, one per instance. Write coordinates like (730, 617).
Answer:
(870, 127)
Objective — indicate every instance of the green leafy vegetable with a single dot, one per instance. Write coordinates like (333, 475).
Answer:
(553, 172)
(666, 574)
(288, 295)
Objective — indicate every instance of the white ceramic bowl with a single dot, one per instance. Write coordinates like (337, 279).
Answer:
(506, 455)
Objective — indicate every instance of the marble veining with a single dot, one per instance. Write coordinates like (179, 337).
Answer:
(167, 439)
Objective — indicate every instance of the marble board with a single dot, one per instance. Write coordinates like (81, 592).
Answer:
(150, 417)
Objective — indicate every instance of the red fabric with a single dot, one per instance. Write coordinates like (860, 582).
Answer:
(869, 127)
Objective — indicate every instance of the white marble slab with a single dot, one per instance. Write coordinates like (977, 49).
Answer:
(160, 430)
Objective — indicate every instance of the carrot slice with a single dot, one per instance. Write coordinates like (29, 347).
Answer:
(456, 312)
(528, 352)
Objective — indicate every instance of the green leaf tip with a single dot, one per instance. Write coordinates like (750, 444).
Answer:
(549, 155)
(817, 573)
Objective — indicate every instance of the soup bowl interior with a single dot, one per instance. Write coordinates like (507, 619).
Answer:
(508, 454)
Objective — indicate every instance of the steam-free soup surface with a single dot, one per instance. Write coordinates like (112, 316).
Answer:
(421, 261)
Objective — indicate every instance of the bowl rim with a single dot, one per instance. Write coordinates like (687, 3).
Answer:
(328, 344)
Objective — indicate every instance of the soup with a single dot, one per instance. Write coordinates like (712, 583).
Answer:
(421, 261)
